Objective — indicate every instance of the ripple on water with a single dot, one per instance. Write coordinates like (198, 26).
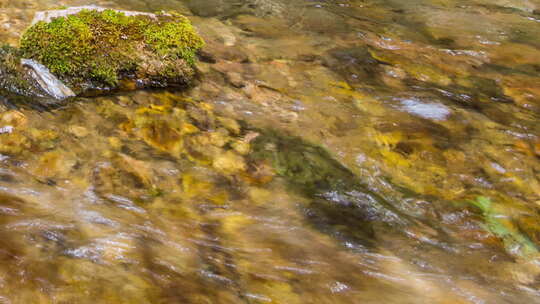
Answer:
(138, 224)
(428, 110)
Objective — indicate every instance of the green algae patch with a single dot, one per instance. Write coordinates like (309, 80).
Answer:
(97, 49)
(338, 203)
(497, 223)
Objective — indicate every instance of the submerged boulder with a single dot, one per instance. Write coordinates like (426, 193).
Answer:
(88, 50)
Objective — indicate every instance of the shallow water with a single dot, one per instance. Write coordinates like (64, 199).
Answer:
(334, 152)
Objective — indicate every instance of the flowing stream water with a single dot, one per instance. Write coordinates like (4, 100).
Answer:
(351, 151)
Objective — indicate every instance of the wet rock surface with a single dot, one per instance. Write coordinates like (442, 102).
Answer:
(14, 78)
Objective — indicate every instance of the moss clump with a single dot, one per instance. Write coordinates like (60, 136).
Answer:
(64, 45)
(176, 40)
(9, 61)
(12, 76)
(102, 47)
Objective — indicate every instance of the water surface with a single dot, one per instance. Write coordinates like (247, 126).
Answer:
(334, 152)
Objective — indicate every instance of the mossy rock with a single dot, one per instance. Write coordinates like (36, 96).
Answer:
(11, 72)
(96, 49)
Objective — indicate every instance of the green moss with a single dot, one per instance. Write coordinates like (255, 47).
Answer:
(176, 40)
(309, 167)
(498, 224)
(11, 73)
(104, 47)
(10, 58)
(63, 45)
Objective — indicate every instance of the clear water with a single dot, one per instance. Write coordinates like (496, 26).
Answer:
(334, 152)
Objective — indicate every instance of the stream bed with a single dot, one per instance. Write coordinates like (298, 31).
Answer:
(353, 151)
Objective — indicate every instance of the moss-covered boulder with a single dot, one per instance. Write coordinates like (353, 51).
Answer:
(95, 49)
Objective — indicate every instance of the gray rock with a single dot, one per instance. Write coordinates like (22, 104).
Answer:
(48, 16)
(46, 80)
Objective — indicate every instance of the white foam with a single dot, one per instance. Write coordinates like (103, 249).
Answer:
(428, 110)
